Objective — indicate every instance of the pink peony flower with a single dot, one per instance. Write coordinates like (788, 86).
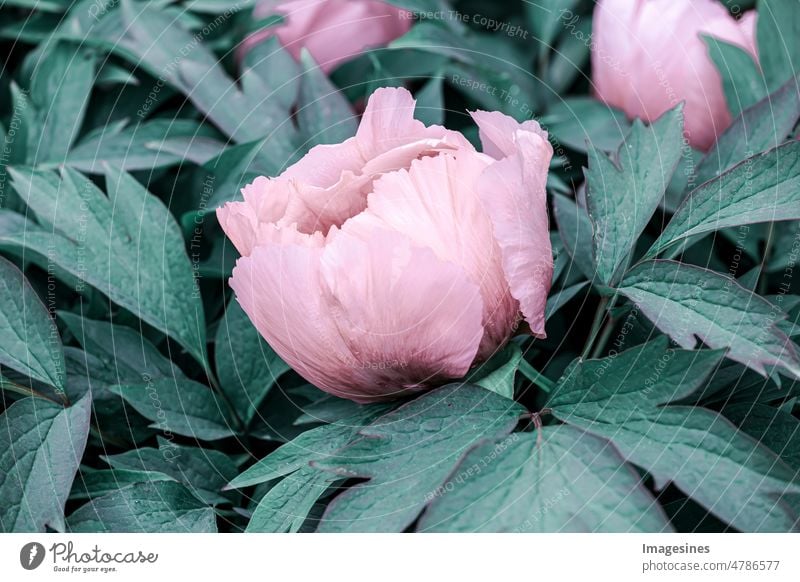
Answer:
(395, 260)
(649, 55)
(333, 31)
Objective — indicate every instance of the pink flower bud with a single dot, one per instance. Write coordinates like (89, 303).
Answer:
(649, 55)
(333, 31)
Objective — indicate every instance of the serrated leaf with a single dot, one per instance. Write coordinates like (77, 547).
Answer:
(127, 245)
(763, 188)
(41, 445)
(621, 198)
(775, 429)
(559, 479)
(690, 303)
(29, 339)
(760, 127)
(60, 88)
(725, 471)
(204, 471)
(286, 505)
(323, 113)
(408, 453)
(741, 78)
(246, 366)
(777, 28)
(157, 507)
(180, 406)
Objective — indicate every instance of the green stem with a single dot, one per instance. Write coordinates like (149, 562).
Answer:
(603, 339)
(538, 379)
(762, 281)
(218, 389)
(606, 305)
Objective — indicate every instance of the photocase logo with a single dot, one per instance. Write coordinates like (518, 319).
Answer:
(31, 555)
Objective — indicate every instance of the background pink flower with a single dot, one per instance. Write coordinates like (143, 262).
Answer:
(333, 31)
(398, 258)
(649, 55)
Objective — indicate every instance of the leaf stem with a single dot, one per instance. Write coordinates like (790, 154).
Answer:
(218, 389)
(538, 379)
(763, 284)
(606, 304)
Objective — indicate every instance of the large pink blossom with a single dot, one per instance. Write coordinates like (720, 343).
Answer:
(649, 55)
(333, 31)
(399, 258)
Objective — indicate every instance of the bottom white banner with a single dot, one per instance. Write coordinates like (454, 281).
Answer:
(356, 557)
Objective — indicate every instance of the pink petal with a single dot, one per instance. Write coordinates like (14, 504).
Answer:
(435, 204)
(265, 201)
(388, 122)
(513, 193)
(497, 132)
(410, 319)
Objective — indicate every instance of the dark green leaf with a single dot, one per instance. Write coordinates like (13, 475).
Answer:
(559, 479)
(408, 454)
(725, 471)
(690, 303)
(576, 121)
(777, 31)
(29, 340)
(91, 483)
(775, 429)
(323, 113)
(204, 471)
(180, 406)
(763, 126)
(246, 366)
(136, 147)
(763, 188)
(558, 300)
(60, 88)
(127, 245)
(157, 507)
(430, 102)
(313, 444)
(41, 445)
(286, 505)
(575, 229)
(621, 198)
(498, 373)
(741, 78)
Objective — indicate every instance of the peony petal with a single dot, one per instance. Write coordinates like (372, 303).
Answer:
(410, 319)
(436, 205)
(497, 132)
(278, 286)
(265, 201)
(513, 193)
(330, 184)
(388, 123)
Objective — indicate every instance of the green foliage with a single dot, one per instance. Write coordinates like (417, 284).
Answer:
(137, 396)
